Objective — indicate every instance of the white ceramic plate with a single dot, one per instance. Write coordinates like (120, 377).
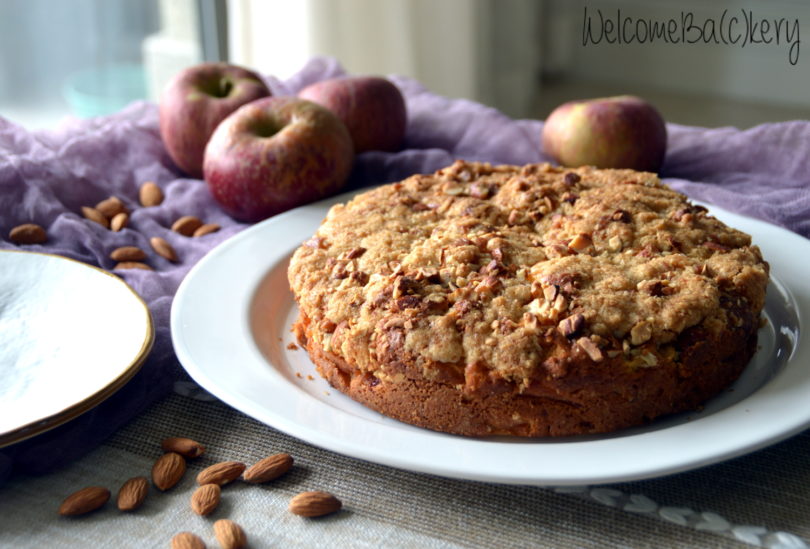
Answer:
(243, 358)
(70, 336)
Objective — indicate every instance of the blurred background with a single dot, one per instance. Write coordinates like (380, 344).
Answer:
(92, 57)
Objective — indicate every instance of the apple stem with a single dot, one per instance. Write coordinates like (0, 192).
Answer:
(225, 87)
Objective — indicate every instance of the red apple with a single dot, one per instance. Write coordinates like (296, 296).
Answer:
(612, 132)
(372, 108)
(195, 101)
(275, 154)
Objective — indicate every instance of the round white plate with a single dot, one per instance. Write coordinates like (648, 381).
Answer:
(70, 336)
(231, 323)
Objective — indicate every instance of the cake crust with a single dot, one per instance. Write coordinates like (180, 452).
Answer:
(527, 300)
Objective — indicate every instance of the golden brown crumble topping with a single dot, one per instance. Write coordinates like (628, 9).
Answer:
(486, 268)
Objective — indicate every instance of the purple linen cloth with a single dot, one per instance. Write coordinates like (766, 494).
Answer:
(47, 176)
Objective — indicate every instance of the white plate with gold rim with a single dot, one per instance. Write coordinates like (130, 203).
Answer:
(231, 322)
(71, 335)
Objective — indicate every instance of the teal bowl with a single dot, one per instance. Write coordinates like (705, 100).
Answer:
(104, 90)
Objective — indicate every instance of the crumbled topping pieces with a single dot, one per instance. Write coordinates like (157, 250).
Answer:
(581, 243)
(315, 242)
(572, 325)
(591, 349)
(641, 333)
(404, 285)
(716, 246)
(355, 253)
(612, 261)
(481, 191)
(621, 216)
(571, 178)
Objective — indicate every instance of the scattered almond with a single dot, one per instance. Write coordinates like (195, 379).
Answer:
(150, 194)
(132, 493)
(85, 500)
(163, 248)
(168, 470)
(205, 229)
(94, 215)
(119, 221)
(229, 534)
(184, 446)
(110, 207)
(205, 499)
(27, 233)
(187, 224)
(268, 468)
(132, 265)
(187, 540)
(127, 253)
(221, 473)
(314, 504)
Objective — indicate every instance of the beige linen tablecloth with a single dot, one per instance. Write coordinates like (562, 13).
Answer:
(758, 500)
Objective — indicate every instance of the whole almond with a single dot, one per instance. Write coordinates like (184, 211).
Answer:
(208, 228)
(314, 504)
(229, 534)
(187, 540)
(94, 215)
(110, 207)
(163, 248)
(168, 470)
(186, 225)
(132, 265)
(127, 253)
(85, 500)
(132, 493)
(28, 233)
(119, 221)
(184, 446)
(205, 499)
(221, 473)
(150, 194)
(268, 468)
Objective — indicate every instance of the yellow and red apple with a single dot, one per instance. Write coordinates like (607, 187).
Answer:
(612, 132)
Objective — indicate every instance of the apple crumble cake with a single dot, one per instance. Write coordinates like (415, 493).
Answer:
(527, 300)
